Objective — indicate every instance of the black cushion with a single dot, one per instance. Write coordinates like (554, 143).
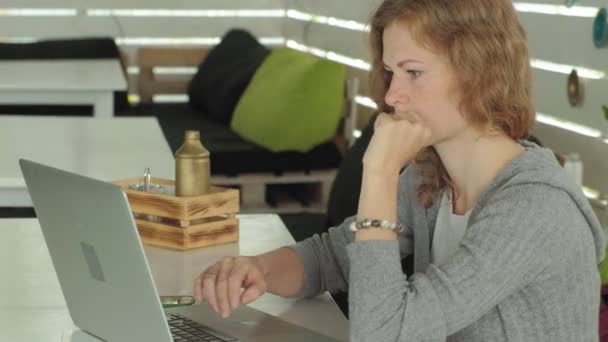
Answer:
(46, 110)
(225, 73)
(344, 195)
(230, 154)
(80, 48)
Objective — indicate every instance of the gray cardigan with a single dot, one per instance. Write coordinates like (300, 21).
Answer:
(526, 269)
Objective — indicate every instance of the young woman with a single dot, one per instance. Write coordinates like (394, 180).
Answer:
(505, 245)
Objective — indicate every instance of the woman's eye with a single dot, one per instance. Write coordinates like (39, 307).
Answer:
(414, 73)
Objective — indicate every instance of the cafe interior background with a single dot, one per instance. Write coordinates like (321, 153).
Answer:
(293, 156)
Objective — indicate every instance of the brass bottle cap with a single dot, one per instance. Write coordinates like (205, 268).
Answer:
(192, 147)
(192, 135)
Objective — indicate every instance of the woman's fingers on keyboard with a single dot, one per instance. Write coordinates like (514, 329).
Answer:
(208, 280)
(235, 282)
(221, 286)
(198, 288)
(251, 293)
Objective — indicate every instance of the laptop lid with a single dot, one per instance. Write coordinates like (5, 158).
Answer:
(97, 254)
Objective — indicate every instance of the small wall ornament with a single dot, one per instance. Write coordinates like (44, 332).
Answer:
(574, 89)
(600, 34)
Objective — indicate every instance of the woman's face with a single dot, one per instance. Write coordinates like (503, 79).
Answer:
(422, 84)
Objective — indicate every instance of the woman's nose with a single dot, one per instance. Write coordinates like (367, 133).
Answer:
(395, 95)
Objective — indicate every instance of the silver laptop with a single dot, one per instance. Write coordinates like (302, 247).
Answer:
(105, 277)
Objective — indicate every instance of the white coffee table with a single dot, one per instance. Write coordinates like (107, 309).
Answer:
(104, 149)
(55, 82)
(32, 307)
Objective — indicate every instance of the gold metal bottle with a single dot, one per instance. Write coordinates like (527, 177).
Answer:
(192, 167)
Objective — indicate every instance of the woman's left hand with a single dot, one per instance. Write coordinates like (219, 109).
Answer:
(396, 141)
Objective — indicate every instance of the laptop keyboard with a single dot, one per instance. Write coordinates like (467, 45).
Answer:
(184, 329)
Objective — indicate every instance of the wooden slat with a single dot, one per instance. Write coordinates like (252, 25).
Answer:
(153, 203)
(154, 57)
(220, 232)
(219, 201)
(148, 58)
(214, 233)
(164, 87)
(161, 235)
(148, 86)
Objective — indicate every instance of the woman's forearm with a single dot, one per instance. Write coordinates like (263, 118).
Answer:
(283, 271)
(378, 200)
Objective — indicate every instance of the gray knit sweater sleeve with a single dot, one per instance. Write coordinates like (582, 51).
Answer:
(326, 264)
(325, 259)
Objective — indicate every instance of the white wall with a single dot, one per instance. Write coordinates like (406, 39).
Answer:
(568, 40)
(82, 24)
(346, 42)
(37, 27)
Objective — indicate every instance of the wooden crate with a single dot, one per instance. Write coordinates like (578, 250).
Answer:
(183, 223)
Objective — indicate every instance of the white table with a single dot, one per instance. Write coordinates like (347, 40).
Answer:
(54, 82)
(104, 149)
(32, 307)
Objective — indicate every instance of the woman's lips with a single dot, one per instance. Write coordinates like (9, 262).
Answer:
(409, 116)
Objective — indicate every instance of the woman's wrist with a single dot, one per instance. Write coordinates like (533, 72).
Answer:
(258, 260)
(375, 235)
(378, 201)
(380, 174)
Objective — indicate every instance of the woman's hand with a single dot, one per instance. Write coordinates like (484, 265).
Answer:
(220, 284)
(396, 141)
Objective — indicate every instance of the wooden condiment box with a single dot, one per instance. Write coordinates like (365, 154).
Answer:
(183, 223)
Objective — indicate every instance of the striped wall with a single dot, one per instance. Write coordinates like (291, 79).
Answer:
(567, 40)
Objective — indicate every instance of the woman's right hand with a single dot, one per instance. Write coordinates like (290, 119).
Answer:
(231, 282)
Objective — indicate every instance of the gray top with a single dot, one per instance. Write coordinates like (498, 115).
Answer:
(526, 269)
(448, 232)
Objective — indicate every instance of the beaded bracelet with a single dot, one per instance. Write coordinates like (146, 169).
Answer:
(375, 223)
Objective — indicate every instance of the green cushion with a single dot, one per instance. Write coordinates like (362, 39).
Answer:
(293, 102)
(604, 269)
